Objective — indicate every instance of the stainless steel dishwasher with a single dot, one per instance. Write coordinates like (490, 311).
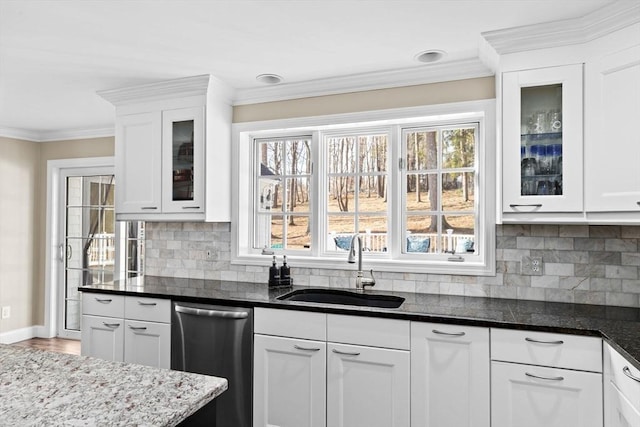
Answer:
(217, 340)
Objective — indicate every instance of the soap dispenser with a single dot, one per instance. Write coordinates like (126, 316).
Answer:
(274, 274)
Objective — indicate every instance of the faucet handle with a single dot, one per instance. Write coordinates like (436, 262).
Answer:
(368, 281)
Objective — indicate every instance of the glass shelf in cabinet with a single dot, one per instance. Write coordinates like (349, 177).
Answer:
(540, 136)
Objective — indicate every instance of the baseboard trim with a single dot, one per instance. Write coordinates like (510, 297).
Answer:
(37, 331)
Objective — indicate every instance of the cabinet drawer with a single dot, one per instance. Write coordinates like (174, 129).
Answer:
(149, 309)
(290, 323)
(372, 331)
(620, 372)
(547, 349)
(103, 304)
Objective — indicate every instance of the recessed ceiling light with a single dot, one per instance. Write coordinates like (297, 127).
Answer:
(270, 79)
(430, 56)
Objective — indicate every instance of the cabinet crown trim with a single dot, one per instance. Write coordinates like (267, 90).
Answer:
(187, 86)
(596, 24)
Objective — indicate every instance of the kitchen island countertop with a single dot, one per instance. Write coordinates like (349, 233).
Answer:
(44, 388)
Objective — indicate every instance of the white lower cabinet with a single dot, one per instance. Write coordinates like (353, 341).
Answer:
(317, 370)
(532, 396)
(545, 379)
(621, 391)
(103, 337)
(449, 375)
(126, 328)
(289, 382)
(367, 386)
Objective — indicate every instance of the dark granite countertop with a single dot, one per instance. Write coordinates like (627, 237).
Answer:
(619, 326)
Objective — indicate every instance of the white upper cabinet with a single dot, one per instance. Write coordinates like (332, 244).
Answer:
(542, 140)
(612, 151)
(173, 150)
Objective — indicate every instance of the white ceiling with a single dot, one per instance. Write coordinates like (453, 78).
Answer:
(55, 55)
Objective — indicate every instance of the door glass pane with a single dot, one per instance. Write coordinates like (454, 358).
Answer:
(182, 146)
(90, 244)
(541, 140)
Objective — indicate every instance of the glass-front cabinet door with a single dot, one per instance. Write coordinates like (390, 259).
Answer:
(183, 160)
(542, 140)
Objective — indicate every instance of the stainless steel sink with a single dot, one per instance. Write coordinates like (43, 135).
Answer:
(337, 296)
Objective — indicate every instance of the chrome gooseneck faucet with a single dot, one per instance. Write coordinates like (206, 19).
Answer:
(361, 282)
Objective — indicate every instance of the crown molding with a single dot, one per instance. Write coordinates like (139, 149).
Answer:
(596, 24)
(446, 71)
(188, 86)
(55, 135)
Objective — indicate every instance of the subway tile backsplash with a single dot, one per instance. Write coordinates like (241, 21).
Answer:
(581, 264)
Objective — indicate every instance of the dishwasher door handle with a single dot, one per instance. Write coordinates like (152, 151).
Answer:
(212, 313)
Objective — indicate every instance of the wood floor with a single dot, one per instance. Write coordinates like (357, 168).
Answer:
(57, 345)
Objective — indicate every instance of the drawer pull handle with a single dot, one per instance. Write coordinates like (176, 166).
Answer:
(147, 303)
(628, 373)
(544, 342)
(346, 353)
(191, 207)
(111, 325)
(544, 378)
(451, 334)
(297, 347)
(138, 328)
(531, 205)
(146, 208)
(103, 301)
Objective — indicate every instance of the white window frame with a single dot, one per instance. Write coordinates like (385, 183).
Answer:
(243, 135)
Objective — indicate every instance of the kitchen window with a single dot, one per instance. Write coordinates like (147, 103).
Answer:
(416, 184)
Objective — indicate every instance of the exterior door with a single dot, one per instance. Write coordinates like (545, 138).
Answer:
(90, 241)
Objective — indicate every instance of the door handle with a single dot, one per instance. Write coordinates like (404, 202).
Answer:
(211, 313)
(297, 347)
(544, 378)
(451, 334)
(346, 353)
(111, 325)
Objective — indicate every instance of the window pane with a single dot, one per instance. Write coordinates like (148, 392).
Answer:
(463, 232)
(371, 197)
(458, 148)
(341, 155)
(422, 150)
(341, 228)
(374, 232)
(298, 154)
(419, 198)
(340, 197)
(457, 191)
(373, 153)
(271, 155)
(297, 195)
(421, 234)
(276, 232)
(298, 232)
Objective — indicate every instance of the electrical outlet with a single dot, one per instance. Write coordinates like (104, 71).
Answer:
(209, 254)
(6, 312)
(531, 266)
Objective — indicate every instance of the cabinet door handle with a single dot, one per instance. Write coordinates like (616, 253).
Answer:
(544, 378)
(147, 303)
(104, 300)
(111, 325)
(146, 208)
(297, 347)
(530, 205)
(191, 207)
(544, 342)
(346, 353)
(628, 373)
(138, 328)
(638, 203)
(451, 334)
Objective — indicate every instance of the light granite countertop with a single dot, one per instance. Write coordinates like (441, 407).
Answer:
(41, 388)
